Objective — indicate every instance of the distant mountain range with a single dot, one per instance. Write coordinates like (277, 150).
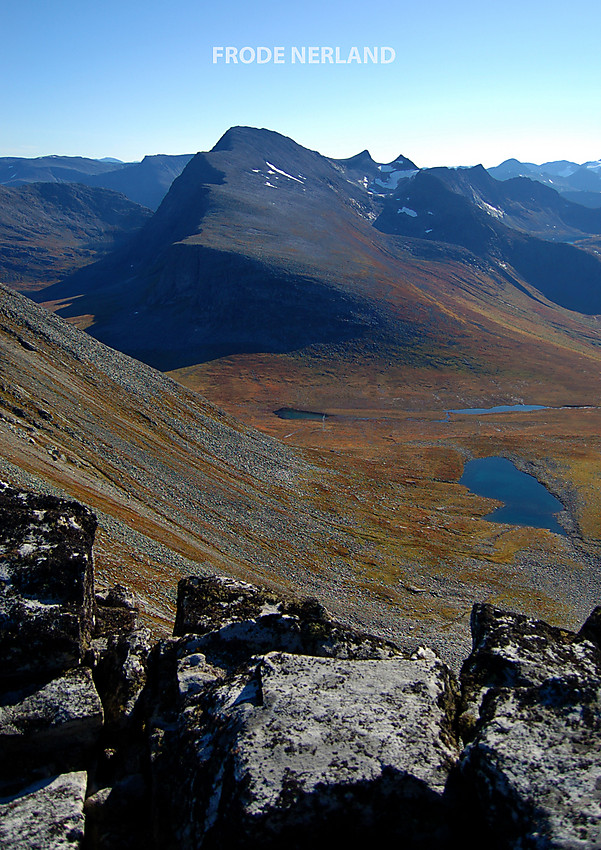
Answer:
(579, 183)
(264, 246)
(143, 182)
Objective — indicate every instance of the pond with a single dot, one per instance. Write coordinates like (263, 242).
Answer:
(293, 413)
(501, 408)
(526, 501)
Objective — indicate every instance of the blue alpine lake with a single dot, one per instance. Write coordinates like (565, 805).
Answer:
(526, 501)
(293, 413)
(501, 408)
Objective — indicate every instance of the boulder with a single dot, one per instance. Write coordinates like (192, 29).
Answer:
(46, 584)
(116, 612)
(531, 776)
(45, 816)
(207, 603)
(591, 630)
(233, 620)
(50, 728)
(121, 674)
(295, 750)
(512, 650)
(117, 816)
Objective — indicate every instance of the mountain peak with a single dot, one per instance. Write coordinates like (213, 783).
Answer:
(404, 164)
(359, 159)
(240, 135)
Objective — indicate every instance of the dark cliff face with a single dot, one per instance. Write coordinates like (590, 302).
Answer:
(264, 722)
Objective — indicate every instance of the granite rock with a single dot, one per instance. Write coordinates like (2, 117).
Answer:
(46, 584)
(207, 603)
(53, 727)
(512, 650)
(45, 816)
(530, 779)
(121, 673)
(116, 612)
(532, 775)
(232, 621)
(295, 750)
(591, 630)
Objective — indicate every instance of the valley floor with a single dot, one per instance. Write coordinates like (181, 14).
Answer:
(394, 463)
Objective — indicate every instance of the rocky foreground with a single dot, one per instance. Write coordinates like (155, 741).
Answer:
(265, 723)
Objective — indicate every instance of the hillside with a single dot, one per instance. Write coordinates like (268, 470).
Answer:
(393, 542)
(48, 230)
(262, 246)
(16, 170)
(145, 182)
(522, 204)
(263, 279)
(496, 222)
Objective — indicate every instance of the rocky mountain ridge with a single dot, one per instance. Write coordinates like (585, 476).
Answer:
(263, 721)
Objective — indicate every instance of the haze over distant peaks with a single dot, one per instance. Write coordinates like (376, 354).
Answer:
(578, 183)
(143, 182)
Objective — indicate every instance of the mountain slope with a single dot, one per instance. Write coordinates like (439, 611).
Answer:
(180, 487)
(523, 204)
(49, 229)
(145, 182)
(427, 207)
(263, 246)
(174, 477)
(15, 170)
(194, 288)
(393, 542)
(378, 178)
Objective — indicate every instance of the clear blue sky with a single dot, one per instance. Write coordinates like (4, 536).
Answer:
(472, 81)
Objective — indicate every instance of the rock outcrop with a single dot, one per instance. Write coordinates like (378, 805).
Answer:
(532, 773)
(265, 723)
(46, 583)
(45, 816)
(298, 750)
(290, 727)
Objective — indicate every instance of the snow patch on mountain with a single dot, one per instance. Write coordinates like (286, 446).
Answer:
(274, 170)
(392, 178)
(488, 208)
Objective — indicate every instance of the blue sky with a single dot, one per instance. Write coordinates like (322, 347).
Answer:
(472, 82)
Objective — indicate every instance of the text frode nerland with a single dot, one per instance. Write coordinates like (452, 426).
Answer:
(262, 55)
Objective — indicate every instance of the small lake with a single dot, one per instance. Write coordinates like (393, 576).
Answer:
(526, 501)
(500, 408)
(293, 413)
